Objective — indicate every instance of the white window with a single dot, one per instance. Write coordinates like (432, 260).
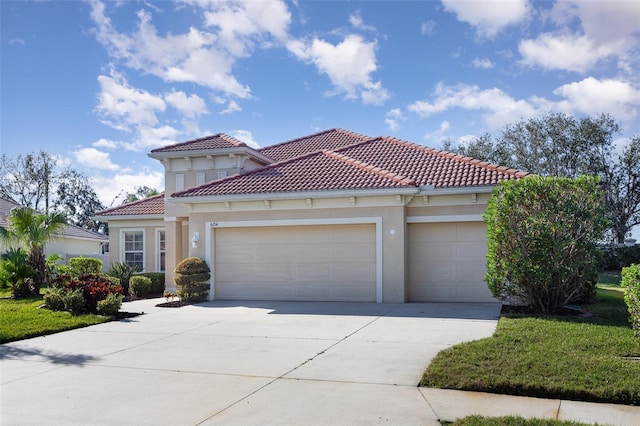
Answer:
(179, 182)
(161, 250)
(133, 252)
(222, 175)
(199, 178)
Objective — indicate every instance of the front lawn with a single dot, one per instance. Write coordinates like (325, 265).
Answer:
(22, 319)
(588, 359)
(512, 421)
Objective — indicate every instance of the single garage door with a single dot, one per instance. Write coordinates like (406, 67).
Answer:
(315, 263)
(447, 262)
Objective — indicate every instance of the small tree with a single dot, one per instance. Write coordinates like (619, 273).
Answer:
(33, 231)
(191, 276)
(542, 234)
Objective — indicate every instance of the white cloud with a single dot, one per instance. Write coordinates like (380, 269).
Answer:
(17, 41)
(604, 30)
(488, 17)
(438, 134)
(393, 119)
(246, 137)
(191, 106)
(105, 143)
(197, 56)
(593, 96)
(348, 64)
(357, 22)
(565, 52)
(231, 108)
(121, 183)
(427, 28)
(152, 137)
(124, 106)
(589, 96)
(94, 159)
(498, 107)
(482, 63)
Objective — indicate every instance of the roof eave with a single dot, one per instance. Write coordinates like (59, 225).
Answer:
(129, 217)
(431, 190)
(214, 151)
(296, 195)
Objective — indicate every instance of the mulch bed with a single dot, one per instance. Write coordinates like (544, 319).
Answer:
(173, 304)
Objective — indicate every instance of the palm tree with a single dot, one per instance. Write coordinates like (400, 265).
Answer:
(33, 231)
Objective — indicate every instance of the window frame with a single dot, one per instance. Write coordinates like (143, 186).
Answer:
(123, 243)
(160, 251)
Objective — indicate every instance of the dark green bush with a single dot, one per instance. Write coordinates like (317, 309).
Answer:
(79, 266)
(191, 277)
(93, 288)
(157, 282)
(139, 286)
(124, 272)
(74, 301)
(53, 298)
(542, 234)
(111, 305)
(616, 258)
(631, 283)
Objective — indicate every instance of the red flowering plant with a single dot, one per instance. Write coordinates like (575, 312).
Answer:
(95, 287)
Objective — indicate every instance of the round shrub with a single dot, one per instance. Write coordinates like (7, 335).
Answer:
(111, 305)
(191, 277)
(53, 298)
(139, 286)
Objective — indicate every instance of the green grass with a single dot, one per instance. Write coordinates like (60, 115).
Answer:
(22, 319)
(550, 357)
(511, 421)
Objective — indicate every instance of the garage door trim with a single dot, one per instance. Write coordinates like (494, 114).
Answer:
(210, 239)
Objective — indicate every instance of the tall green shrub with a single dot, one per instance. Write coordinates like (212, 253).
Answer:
(123, 271)
(191, 277)
(139, 286)
(80, 266)
(542, 234)
(631, 283)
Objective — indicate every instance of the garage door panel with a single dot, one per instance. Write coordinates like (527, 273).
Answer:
(316, 262)
(447, 262)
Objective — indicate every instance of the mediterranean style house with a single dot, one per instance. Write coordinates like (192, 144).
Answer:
(333, 216)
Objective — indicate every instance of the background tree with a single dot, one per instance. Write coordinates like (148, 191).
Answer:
(36, 181)
(27, 179)
(78, 201)
(560, 145)
(33, 231)
(140, 193)
(542, 234)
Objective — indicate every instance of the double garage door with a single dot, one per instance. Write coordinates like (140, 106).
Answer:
(313, 262)
(447, 262)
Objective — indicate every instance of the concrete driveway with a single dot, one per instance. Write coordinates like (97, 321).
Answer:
(238, 363)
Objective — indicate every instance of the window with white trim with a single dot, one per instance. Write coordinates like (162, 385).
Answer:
(134, 248)
(161, 250)
(222, 175)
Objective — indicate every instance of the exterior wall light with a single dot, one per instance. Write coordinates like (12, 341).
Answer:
(195, 239)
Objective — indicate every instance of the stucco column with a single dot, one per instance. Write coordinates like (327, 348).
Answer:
(394, 262)
(175, 232)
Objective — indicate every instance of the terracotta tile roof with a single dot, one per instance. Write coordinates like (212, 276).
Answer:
(372, 164)
(328, 139)
(147, 206)
(428, 166)
(217, 141)
(319, 171)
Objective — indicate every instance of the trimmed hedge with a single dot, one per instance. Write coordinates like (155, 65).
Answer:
(631, 283)
(157, 282)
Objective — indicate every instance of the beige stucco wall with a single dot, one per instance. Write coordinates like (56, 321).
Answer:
(149, 228)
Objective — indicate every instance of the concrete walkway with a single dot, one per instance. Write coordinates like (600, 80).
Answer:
(256, 363)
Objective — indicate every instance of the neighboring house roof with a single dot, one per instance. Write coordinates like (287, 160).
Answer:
(147, 206)
(371, 164)
(329, 139)
(70, 231)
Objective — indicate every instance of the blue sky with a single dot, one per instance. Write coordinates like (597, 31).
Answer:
(100, 84)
